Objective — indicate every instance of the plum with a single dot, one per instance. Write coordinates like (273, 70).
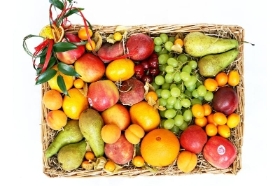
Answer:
(225, 100)
(131, 91)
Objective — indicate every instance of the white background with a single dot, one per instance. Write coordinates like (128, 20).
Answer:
(20, 132)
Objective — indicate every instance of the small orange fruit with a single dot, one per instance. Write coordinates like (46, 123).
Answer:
(207, 109)
(220, 118)
(89, 156)
(74, 104)
(79, 83)
(211, 129)
(222, 79)
(87, 165)
(160, 147)
(233, 78)
(134, 133)
(152, 96)
(197, 111)
(138, 161)
(56, 119)
(210, 119)
(144, 115)
(179, 42)
(186, 161)
(200, 121)
(52, 99)
(110, 166)
(90, 46)
(117, 36)
(224, 131)
(110, 133)
(233, 120)
(84, 33)
(210, 84)
(120, 70)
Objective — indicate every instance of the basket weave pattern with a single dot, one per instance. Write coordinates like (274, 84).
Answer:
(51, 167)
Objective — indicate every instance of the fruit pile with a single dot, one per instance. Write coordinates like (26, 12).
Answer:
(133, 99)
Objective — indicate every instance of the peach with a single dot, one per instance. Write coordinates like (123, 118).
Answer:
(70, 56)
(109, 52)
(102, 94)
(120, 152)
(118, 114)
(89, 67)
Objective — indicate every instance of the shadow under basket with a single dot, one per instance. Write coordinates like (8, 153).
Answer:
(51, 166)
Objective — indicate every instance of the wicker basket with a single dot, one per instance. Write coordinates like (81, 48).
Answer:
(51, 167)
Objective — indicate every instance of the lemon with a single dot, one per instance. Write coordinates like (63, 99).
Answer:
(46, 32)
(68, 80)
(74, 104)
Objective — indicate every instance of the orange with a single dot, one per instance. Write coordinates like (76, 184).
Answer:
(224, 131)
(211, 129)
(79, 83)
(207, 109)
(160, 147)
(82, 33)
(200, 121)
(89, 156)
(56, 119)
(179, 42)
(138, 161)
(197, 111)
(110, 166)
(210, 84)
(220, 118)
(90, 46)
(151, 96)
(68, 80)
(74, 104)
(233, 120)
(134, 133)
(110, 133)
(120, 70)
(233, 78)
(52, 99)
(187, 161)
(144, 115)
(222, 79)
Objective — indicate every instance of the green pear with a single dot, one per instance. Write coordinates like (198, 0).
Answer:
(91, 123)
(212, 64)
(197, 44)
(70, 134)
(71, 156)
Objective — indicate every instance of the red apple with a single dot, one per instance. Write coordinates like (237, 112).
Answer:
(118, 114)
(131, 91)
(140, 46)
(70, 56)
(219, 152)
(120, 152)
(102, 94)
(109, 52)
(90, 67)
(193, 138)
(225, 100)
